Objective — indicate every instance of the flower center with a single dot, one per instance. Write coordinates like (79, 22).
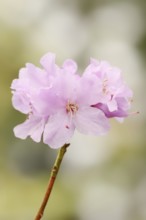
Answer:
(71, 107)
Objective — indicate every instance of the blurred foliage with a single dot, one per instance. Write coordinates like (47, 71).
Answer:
(24, 165)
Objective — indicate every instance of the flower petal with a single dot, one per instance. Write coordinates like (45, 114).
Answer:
(48, 62)
(58, 130)
(89, 120)
(112, 105)
(70, 66)
(32, 127)
(123, 106)
(46, 102)
(21, 102)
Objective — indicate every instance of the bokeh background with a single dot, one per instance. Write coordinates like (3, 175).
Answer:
(101, 178)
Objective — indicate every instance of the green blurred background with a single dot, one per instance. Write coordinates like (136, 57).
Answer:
(101, 178)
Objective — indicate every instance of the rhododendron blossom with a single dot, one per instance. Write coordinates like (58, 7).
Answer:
(57, 100)
(114, 95)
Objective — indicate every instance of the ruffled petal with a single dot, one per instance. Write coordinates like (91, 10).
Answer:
(92, 121)
(36, 76)
(32, 127)
(48, 62)
(46, 102)
(21, 103)
(123, 106)
(112, 105)
(58, 130)
(70, 66)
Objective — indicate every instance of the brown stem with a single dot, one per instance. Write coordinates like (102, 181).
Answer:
(53, 176)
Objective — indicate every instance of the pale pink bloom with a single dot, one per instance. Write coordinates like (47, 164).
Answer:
(25, 89)
(74, 110)
(114, 96)
(57, 100)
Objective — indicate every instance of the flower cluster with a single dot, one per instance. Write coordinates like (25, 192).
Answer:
(57, 100)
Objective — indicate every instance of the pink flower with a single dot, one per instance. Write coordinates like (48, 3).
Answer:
(114, 97)
(57, 100)
(25, 89)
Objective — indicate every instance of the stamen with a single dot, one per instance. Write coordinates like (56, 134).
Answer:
(71, 107)
(104, 89)
(134, 113)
